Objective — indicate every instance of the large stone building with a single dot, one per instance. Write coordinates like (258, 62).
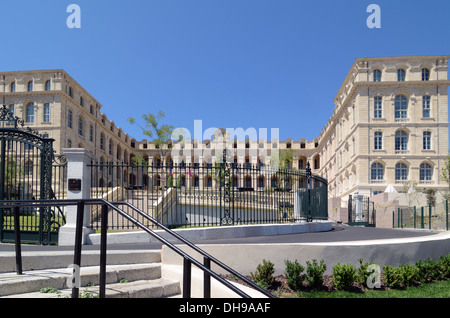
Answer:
(389, 125)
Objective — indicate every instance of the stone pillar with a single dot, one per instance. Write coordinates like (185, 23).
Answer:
(77, 169)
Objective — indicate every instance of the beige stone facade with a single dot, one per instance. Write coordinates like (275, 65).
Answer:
(389, 125)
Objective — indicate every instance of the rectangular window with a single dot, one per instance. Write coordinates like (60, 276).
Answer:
(69, 119)
(426, 107)
(426, 140)
(46, 113)
(378, 106)
(378, 144)
(91, 133)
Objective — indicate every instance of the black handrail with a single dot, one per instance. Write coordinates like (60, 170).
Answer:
(207, 257)
(188, 260)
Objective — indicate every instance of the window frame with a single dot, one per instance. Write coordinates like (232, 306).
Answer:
(401, 75)
(401, 107)
(401, 172)
(401, 140)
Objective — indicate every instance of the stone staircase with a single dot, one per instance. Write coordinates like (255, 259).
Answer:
(129, 274)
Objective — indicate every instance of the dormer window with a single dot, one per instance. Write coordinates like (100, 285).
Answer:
(401, 75)
(425, 74)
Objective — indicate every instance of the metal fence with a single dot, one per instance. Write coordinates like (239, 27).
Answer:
(209, 194)
(361, 211)
(423, 217)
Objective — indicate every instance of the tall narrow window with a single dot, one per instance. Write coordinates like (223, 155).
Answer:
(401, 172)
(102, 142)
(376, 75)
(29, 112)
(81, 101)
(378, 107)
(426, 172)
(425, 74)
(13, 87)
(426, 107)
(47, 85)
(30, 86)
(426, 140)
(401, 140)
(11, 109)
(91, 133)
(80, 126)
(46, 113)
(69, 119)
(70, 92)
(378, 144)
(401, 75)
(401, 107)
(377, 171)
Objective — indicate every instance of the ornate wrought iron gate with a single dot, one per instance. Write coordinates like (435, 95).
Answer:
(26, 174)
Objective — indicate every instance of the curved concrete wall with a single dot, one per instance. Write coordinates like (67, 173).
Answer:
(244, 258)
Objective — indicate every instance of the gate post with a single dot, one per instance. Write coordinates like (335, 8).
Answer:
(78, 188)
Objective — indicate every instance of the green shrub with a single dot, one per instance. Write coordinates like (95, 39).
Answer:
(429, 270)
(264, 274)
(363, 273)
(392, 277)
(294, 276)
(344, 276)
(409, 274)
(314, 273)
(444, 266)
(401, 276)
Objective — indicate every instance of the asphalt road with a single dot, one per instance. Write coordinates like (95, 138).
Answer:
(340, 233)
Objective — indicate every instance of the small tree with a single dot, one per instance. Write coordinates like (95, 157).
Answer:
(431, 197)
(159, 134)
(445, 176)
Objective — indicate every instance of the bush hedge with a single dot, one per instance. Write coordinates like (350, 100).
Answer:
(345, 275)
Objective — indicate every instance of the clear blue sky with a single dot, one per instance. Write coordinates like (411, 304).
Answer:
(230, 63)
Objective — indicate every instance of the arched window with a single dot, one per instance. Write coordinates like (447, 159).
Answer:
(30, 86)
(401, 106)
(377, 171)
(401, 172)
(401, 140)
(13, 87)
(29, 111)
(425, 74)
(47, 85)
(426, 172)
(401, 75)
(376, 75)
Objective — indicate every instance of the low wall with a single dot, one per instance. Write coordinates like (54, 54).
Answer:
(244, 258)
(212, 233)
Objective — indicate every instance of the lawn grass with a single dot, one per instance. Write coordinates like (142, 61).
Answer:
(438, 289)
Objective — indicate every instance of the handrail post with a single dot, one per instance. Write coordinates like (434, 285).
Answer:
(206, 278)
(78, 242)
(103, 246)
(187, 278)
(17, 240)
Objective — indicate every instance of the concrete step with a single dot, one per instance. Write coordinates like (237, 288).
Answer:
(63, 259)
(155, 288)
